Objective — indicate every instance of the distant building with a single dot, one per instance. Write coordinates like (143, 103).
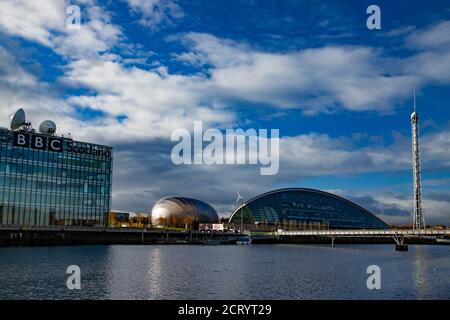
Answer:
(118, 219)
(179, 212)
(48, 180)
(299, 208)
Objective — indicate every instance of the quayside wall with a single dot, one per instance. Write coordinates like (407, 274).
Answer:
(64, 237)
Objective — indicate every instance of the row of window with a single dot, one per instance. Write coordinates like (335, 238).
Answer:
(336, 221)
(61, 185)
(92, 179)
(48, 216)
(53, 198)
(350, 218)
(15, 166)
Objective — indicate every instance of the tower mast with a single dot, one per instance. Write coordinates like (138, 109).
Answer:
(419, 221)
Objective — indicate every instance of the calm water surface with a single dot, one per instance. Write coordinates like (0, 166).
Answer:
(225, 272)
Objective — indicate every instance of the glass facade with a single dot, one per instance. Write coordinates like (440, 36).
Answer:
(302, 207)
(38, 186)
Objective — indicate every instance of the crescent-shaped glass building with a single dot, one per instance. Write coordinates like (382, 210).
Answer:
(305, 208)
(182, 212)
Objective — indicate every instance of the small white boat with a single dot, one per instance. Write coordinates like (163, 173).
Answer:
(443, 240)
(244, 240)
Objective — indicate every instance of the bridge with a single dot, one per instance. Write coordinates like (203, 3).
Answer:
(367, 233)
(397, 234)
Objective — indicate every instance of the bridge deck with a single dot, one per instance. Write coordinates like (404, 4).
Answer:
(362, 233)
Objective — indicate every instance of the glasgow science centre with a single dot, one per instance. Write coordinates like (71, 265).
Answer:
(48, 180)
(306, 207)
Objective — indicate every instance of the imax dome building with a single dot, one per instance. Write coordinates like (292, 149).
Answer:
(180, 212)
(305, 208)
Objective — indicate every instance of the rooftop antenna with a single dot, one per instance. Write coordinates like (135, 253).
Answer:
(414, 92)
(419, 220)
(18, 121)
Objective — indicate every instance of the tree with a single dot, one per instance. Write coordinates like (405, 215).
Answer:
(224, 219)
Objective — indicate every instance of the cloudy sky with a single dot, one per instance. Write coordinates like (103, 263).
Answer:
(340, 94)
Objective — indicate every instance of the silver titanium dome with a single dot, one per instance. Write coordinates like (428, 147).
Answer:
(182, 212)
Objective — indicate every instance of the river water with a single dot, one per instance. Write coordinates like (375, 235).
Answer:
(225, 272)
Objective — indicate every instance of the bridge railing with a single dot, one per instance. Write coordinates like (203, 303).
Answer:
(424, 232)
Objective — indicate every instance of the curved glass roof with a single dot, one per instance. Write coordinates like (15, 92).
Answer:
(301, 205)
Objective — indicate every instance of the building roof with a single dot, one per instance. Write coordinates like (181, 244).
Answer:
(181, 206)
(346, 207)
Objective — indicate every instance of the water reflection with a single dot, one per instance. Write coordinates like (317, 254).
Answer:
(155, 273)
(421, 271)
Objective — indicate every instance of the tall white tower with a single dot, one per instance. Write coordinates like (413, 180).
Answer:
(419, 220)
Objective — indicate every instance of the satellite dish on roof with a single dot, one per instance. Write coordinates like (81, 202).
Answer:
(18, 119)
(47, 127)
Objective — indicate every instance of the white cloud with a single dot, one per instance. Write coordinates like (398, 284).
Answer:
(208, 49)
(432, 63)
(315, 80)
(396, 208)
(431, 66)
(96, 35)
(20, 88)
(435, 37)
(155, 104)
(323, 79)
(12, 73)
(401, 31)
(436, 148)
(44, 22)
(154, 13)
(320, 155)
(33, 20)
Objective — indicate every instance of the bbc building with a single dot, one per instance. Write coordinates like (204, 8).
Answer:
(46, 180)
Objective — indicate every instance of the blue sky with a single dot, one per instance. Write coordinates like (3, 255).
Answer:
(340, 94)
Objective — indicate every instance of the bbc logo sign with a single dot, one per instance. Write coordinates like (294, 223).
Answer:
(36, 142)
